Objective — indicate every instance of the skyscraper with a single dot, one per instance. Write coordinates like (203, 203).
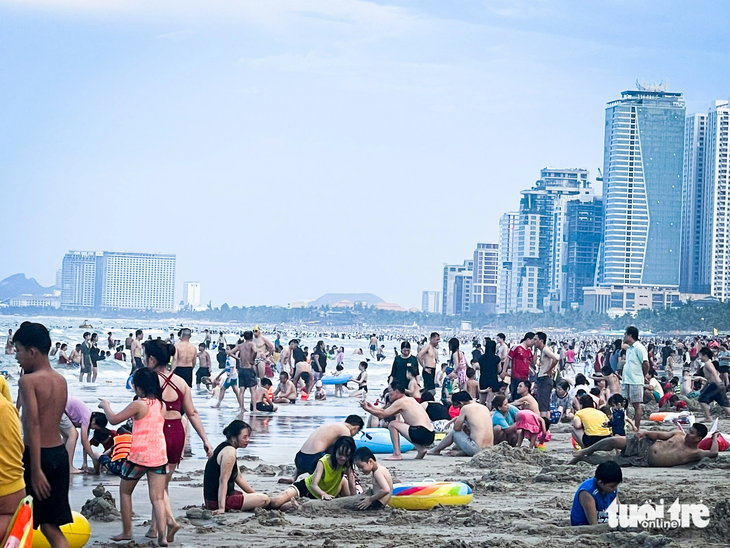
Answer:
(583, 234)
(457, 288)
(642, 168)
(104, 280)
(539, 237)
(506, 292)
(191, 294)
(692, 278)
(431, 302)
(484, 279)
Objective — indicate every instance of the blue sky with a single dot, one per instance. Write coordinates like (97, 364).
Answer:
(283, 149)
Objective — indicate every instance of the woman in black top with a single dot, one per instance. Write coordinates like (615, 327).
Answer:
(222, 475)
(488, 373)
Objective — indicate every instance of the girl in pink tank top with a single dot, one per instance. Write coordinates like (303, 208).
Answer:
(148, 452)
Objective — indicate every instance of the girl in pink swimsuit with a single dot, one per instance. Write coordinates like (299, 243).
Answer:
(147, 453)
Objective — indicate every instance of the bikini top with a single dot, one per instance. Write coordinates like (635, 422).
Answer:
(175, 405)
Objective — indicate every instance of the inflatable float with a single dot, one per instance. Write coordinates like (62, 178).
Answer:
(425, 495)
(336, 379)
(378, 441)
(77, 533)
(723, 442)
(20, 529)
(684, 417)
(129, 383)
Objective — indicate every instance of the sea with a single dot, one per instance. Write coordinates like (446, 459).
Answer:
(275, 437)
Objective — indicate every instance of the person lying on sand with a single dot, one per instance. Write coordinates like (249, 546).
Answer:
(653, 449)
(472, 431)
(416, 427)
(319, 442)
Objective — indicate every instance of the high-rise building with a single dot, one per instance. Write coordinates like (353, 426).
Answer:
(692, 279)
(713, 254)
(485, 279)
(506, 291)
(457, 288)
(431, 302)
(104, 280)
(59, 274)
(642, 169)
(539, 248)
(191, 294)
(582, 238)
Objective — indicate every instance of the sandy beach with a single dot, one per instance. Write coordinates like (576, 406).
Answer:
(522, 497)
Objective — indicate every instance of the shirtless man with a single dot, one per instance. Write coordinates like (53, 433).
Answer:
(246, 354)
(473, 430)
(416, 426)
(428, 358)
(301, 366)
(203, 365)
(502, 353)
(319, 441)
(43, 393)
(286, 356)
(373, 345)
(286, 392)
(76, 356)
(264, 352)
(714, 390)
(525, 400)
(545, 373)
(260, 398)
(136, 351)
(654, 449)
(184, 360)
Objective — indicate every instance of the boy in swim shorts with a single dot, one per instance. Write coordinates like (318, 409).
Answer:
(45, 460)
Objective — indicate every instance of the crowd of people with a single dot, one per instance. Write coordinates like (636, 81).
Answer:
(496, 393)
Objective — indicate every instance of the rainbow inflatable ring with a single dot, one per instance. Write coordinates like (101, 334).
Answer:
(425, 495)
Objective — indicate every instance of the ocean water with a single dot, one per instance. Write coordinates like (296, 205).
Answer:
(276, 437)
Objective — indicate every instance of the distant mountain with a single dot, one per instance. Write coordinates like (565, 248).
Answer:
(331, 298)
(18, 284)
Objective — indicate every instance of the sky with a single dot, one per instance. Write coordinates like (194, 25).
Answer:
(283, 149)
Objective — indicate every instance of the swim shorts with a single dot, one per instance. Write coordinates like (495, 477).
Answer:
(186, 374)
(428, 379)
(544, 389)
(420, 435)
(113, 466)
(713, 392)
(466, 444)
(301, 487)
(174, 439)
(134, 472)
(55, 510)
(246, 378)
(636, 452)
(590, 440)
(261, 406)
(138, 364)
(633, 392)
(200, 373)
(230, 382)
(373, 347)
(233, 502)
(306, 462)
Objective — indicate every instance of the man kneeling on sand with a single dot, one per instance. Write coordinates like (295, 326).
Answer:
(654, 449)
(472, 429)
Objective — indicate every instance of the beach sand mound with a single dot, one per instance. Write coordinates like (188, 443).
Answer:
(504, 455)
(102, 507)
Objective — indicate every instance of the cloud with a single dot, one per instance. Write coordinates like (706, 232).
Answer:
(177, 35)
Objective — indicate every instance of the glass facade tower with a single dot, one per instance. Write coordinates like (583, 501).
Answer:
(642, 166)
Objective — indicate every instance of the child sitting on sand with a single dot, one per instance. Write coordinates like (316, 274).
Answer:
(595, 495)
(365, 461)
(327, 481)
(114, 458)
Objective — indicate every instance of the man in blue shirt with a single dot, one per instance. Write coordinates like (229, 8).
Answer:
(595, 495)
(503, 420)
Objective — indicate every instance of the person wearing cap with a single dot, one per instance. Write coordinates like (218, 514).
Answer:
(264, 350)
(319, 392)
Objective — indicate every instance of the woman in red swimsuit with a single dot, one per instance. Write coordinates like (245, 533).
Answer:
(177, 401)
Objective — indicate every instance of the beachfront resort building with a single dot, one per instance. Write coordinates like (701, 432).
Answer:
(191, 295)
(485, 279)
(104, 280)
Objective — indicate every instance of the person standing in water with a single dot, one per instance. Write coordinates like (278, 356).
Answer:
(428, 358)
(136, 351)
(184, 360)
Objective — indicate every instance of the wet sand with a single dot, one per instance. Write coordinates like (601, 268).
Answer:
(522, 498)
